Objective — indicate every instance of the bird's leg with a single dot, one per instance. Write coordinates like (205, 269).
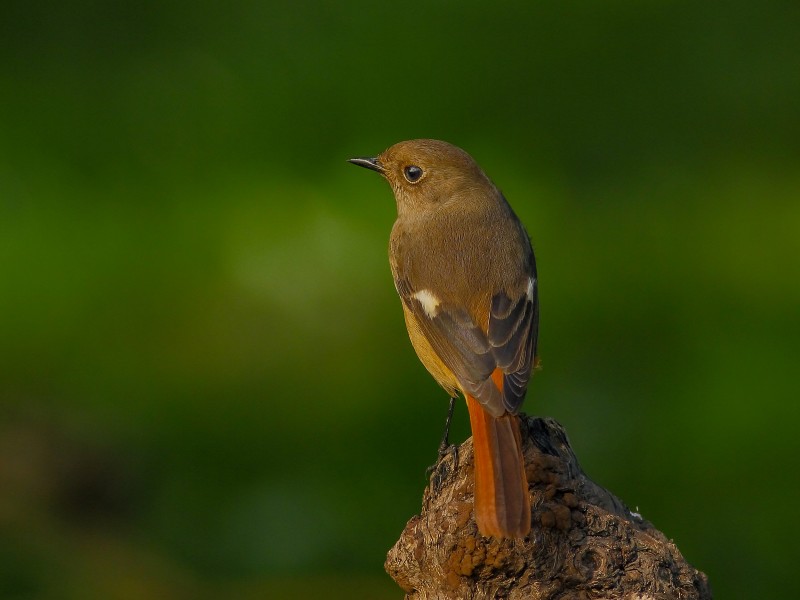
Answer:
(445, 447)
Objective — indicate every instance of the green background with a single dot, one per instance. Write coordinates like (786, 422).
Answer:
(206, 388)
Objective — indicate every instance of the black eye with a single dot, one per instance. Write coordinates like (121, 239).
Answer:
(412, 173)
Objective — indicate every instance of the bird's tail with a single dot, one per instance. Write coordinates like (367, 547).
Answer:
(502, 502)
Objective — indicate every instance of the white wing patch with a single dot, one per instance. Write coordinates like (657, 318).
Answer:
(430, 303)
(531, 285)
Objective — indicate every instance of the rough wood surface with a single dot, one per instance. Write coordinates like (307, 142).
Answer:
(584, 543)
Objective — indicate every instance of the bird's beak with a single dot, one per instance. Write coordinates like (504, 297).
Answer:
(368, 163)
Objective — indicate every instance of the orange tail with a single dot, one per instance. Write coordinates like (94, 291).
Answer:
(502, 503)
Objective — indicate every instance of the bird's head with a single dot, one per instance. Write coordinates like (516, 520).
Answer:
(424, 174)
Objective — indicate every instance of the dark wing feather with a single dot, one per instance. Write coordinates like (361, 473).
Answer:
(513, 331)
(460, 344)
(472, 356)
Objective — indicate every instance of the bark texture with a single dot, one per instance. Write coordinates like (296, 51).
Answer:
(584, 542)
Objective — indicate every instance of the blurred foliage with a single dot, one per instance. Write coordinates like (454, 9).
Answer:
(206, 387)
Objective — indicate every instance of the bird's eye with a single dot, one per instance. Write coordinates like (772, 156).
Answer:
(412, 173)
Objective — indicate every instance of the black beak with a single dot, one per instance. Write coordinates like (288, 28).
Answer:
(368, 163)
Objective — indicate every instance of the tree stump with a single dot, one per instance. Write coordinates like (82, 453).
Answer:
(584, 542)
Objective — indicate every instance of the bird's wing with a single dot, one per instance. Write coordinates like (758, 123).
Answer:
(512, 335)
(473, 355)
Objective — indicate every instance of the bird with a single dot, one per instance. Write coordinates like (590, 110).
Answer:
(465, 271)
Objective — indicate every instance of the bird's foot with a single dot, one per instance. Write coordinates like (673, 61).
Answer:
(445, 448)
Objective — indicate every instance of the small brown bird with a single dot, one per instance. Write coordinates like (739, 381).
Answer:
(465, 271)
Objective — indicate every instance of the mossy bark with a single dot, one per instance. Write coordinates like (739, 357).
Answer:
(584, 542)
